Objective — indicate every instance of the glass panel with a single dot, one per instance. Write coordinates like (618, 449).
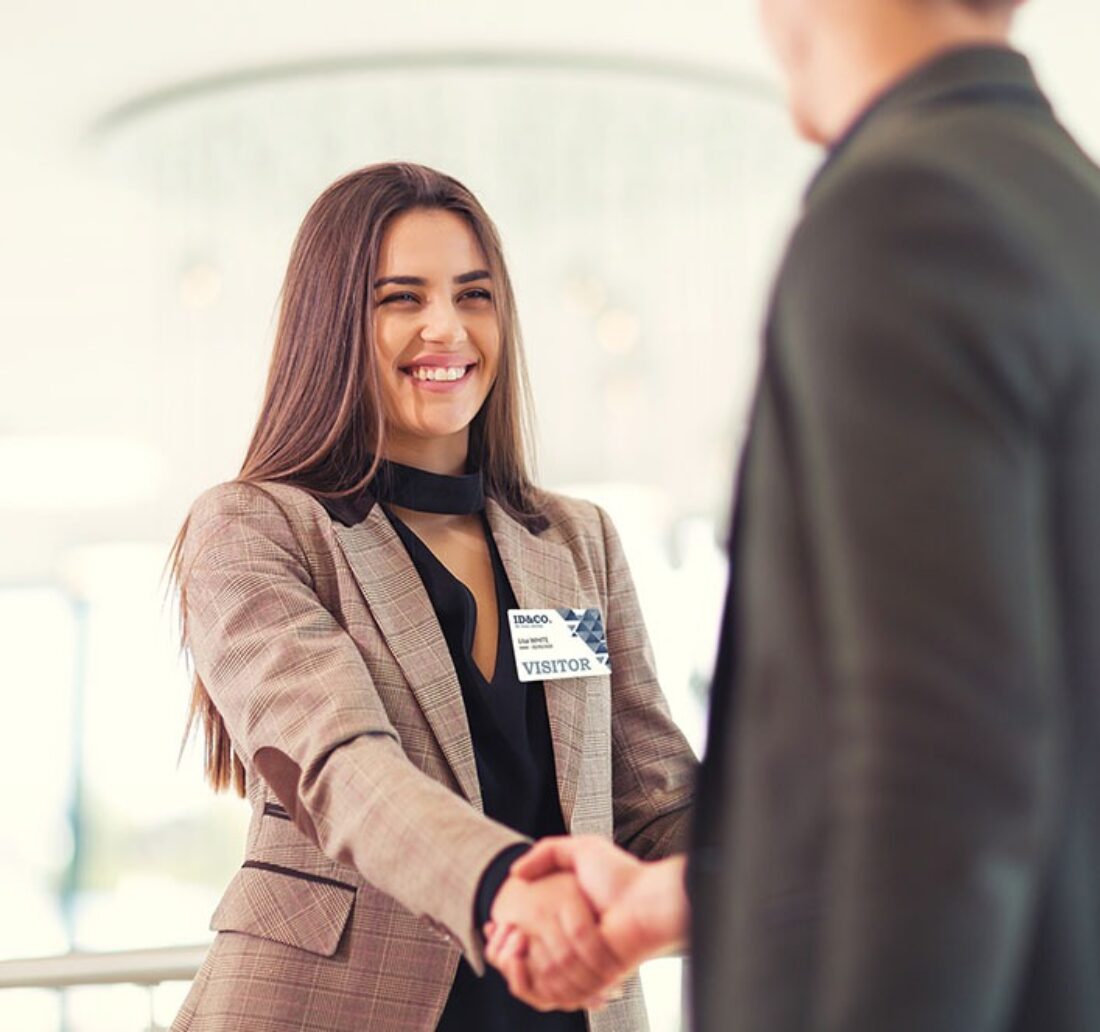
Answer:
(38, 671)
(157, 841)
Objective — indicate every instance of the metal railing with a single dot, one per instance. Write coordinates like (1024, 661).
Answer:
(147, 969)
(124, 967)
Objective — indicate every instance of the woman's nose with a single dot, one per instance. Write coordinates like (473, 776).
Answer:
(443, 324)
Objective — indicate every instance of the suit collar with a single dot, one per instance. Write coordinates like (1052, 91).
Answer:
(349, 510)
(543, 576)
(971, 75)
(399, 604)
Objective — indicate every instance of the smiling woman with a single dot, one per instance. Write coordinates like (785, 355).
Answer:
(436, 335)
(345, 603)
(328, 414)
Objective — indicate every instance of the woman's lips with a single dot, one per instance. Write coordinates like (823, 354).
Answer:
(439, 379)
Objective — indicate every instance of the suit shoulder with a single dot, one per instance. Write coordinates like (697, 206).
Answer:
(580, 525)
(264, 500)
(942, 159)
(892, 213)
(883, 185)
(569, 515)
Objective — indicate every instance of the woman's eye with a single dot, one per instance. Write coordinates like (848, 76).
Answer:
(478, 294)
(392, 298)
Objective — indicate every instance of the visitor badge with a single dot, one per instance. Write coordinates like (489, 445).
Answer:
(553, 643)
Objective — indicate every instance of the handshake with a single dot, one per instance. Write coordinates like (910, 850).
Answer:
(576, 917)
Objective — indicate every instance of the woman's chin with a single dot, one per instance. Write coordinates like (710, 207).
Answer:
(434, 430)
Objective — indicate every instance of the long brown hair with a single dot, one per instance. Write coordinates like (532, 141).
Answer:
(321, 425)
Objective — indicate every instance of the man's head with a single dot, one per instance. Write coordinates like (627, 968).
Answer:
(837, 54)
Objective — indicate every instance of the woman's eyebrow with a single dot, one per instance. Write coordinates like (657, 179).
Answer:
(419, 281)
(404, 281)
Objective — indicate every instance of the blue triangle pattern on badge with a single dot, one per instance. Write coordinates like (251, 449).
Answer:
(587, 625)
(572, 618)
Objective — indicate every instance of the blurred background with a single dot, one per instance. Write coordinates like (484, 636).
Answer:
(156, 162)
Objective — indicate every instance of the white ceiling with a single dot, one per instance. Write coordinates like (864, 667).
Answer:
(64, 278)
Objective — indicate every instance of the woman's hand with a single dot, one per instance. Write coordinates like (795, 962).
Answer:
(552, 926)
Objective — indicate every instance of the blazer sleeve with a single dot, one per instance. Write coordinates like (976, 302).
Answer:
(915, 393)
(300, 706)
(653, 766)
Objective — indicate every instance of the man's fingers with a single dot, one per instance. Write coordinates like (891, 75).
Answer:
(508, 945)
(549, 983)
(519, 984)
(589, 945)
(492, 941)
(553, 987)
(559, 963)
(547, 856)
(495, 936)
(514, 968)
(512, 963)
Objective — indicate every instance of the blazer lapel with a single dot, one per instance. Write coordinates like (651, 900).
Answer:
(543, 575)
(400, 606)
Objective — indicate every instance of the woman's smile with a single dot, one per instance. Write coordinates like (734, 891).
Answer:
(439, 375)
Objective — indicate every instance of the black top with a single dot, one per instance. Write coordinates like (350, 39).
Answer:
(509, 729)
(899, 815)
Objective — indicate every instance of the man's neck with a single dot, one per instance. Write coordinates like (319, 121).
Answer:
(855, 64)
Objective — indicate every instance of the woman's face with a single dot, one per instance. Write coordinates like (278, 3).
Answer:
(435, 330)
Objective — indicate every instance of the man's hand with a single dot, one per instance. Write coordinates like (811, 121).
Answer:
(555, 928)
(642, 907)
(603, 870)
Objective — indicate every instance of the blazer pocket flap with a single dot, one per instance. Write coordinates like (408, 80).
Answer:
(288, 906)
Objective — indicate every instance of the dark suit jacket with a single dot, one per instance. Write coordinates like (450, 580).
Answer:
(900, 814)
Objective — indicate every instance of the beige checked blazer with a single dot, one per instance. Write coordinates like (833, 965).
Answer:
(320, 649)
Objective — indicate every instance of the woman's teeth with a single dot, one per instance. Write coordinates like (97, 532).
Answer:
(437, 373)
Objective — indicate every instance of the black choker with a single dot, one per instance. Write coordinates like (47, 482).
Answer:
(417, 489)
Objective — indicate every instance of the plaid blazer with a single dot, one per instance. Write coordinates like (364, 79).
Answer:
(320, 649)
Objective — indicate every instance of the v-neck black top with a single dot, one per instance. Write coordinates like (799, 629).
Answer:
(509, 726)
(508, 719)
